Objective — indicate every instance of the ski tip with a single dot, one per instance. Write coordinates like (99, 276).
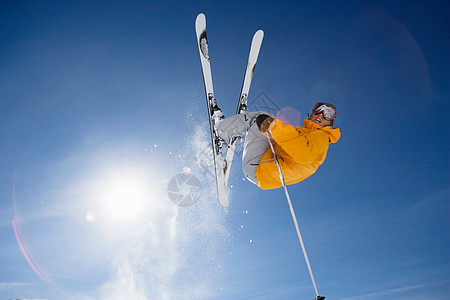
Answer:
(200, 16)
(200, 24)
(258, 37)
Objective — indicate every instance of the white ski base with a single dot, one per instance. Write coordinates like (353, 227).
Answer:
(202, 43)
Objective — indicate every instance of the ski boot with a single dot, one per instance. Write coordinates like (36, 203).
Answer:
(216, 117)
(242, 104)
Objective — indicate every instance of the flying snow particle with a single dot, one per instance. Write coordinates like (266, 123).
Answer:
(186, 171)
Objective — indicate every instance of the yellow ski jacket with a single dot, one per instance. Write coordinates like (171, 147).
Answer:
(300, 152)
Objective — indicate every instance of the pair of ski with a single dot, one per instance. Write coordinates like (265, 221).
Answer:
(223, 165)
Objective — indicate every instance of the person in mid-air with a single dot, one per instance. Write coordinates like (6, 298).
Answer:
(300, 150)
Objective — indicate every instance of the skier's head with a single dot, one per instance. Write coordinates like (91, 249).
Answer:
(323, 114)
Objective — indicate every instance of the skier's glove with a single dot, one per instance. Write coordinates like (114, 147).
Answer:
(263, 121)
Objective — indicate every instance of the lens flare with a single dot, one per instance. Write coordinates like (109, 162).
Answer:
(90, 216)
(25, 253)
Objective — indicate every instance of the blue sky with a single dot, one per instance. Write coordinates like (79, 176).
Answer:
(102, 105)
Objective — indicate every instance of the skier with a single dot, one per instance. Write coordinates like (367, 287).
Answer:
(300, 150)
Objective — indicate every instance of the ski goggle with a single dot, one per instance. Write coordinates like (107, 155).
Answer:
(328, 112)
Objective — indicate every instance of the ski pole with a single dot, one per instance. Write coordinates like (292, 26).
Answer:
(294, 218)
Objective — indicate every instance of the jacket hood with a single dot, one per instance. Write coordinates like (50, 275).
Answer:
(333, 132)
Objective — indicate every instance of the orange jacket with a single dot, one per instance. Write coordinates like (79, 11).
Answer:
(300, 152)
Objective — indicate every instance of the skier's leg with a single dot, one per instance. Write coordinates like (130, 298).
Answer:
(237, 125)
(255, 146)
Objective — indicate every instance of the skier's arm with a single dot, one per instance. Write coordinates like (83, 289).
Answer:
(302, 148)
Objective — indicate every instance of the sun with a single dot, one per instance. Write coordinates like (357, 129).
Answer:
(126, 198)
(122, 195)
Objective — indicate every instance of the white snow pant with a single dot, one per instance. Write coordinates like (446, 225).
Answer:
(256, 143)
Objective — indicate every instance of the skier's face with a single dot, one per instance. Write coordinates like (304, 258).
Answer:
(319, 119)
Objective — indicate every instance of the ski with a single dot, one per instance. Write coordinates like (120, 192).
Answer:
(222, 166)
(242, 103)
(219, 163)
